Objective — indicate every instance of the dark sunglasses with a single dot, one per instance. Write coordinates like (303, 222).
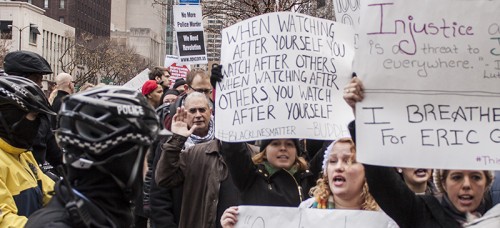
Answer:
(194, 110)
(205, 91)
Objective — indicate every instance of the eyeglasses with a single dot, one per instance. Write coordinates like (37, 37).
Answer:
(194, 110)
(205, 91)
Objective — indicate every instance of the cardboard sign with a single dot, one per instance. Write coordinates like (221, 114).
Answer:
(286, 217)
(188, 23)
(432, 78)
(284, 75)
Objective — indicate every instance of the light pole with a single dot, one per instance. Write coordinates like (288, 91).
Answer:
(21, 31)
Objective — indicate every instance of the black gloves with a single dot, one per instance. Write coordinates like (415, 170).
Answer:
(216, 74)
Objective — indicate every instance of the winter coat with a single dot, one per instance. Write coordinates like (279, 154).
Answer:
(23, 187)
(260, 187)
(200, 170)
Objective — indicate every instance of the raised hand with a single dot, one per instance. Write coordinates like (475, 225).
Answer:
(179, 123)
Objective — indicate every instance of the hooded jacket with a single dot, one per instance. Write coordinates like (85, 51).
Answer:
(23, 187)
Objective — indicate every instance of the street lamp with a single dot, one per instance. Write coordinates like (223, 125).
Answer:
(33, 26)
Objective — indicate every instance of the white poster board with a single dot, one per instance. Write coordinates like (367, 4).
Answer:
(284, 74)
(139, 80)
(431, 70)
(188, 24)
(347, 12)
(286, 217)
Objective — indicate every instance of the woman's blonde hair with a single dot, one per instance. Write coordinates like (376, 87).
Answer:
(299, 161)
(322, 189)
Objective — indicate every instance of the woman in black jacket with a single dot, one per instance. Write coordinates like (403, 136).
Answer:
(277, 176)
(463, 191)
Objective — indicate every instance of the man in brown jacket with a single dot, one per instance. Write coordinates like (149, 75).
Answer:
(191, 158)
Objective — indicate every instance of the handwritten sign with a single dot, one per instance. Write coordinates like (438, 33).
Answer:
(283, 78)
(347, 12)
(285, 217)
(432, 78)
(188, 23)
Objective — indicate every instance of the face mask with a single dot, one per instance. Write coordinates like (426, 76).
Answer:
(24, 132)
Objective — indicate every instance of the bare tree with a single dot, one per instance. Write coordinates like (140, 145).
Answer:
(94, 59)
(233, 11)
(5, 45)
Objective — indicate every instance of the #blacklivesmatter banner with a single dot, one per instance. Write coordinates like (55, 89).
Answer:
(284, 75)
(188, 23)
(286, 217)
(431, 70)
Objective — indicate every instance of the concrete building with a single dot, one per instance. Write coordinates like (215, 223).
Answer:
(138, 24)
(31, 30)
(87, 16)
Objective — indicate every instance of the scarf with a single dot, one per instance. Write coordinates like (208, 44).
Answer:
(272, 170)
(457, 215)
(194, 139)
(323, 204)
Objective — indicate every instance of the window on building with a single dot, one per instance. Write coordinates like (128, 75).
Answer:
(5, 31)
(61, 19)
(46, 4)
(61, 4)
(34, 34)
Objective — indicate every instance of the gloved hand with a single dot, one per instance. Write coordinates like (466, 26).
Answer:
(216, 75)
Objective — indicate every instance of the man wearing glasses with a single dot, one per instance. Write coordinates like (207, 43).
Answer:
(196, 81)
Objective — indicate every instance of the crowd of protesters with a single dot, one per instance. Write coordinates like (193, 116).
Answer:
(149, 158)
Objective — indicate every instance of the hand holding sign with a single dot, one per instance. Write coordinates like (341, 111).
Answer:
(354, 92)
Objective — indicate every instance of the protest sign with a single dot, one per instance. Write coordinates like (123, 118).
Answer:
(285, 217)
(137, 81)
(188, 23)
(431, 70)
(283, 78)
(347, 12)
(178, 72)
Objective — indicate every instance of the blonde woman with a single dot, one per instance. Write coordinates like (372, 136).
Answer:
(343, 184)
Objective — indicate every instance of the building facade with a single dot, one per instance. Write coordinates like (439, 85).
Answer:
(31, 30)
(86, 16)
(140, 25)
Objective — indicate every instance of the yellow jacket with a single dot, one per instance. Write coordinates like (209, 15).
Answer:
(23, 187)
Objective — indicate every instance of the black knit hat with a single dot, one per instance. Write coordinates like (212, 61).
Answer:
(179, 82)
(264, 143)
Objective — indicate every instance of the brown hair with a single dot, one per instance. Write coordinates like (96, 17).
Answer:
(157, 71)
(299, 161)
(440, 176)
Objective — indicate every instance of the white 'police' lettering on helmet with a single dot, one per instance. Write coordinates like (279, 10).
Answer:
(20, 89)
(133, 110)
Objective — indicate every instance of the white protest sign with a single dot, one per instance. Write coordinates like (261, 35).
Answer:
(139, 80)
(347, 12)
(432, 79)
(188, 23)
(170, 59)
(284, 75)
(286, 217)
